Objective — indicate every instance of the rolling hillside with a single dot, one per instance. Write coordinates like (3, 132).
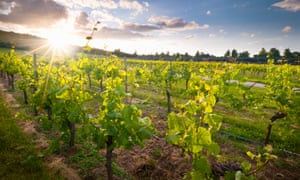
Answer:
(20, 41)
(29, 42)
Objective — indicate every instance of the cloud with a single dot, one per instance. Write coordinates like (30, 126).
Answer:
(286, 29)
(212, 35)
(241, 5)
(108, 4)
(140, 27)
(245, 34)
(176, 23)
(116, 33)
(192, 36)
(289, 5)
(146, 4)
(208, 12)
(105, 4)
(82, 19)
(105, 17)
(5, 7)
(33, 13)
(134, 5)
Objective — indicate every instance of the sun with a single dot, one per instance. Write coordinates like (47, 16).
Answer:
(58, 41)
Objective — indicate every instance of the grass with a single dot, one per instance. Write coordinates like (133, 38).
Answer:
(245, 122)
(18, 159)
(88, 158)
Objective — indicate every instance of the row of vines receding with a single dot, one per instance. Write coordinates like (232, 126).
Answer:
(90, 100)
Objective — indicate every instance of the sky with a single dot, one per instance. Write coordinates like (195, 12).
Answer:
(155, 26)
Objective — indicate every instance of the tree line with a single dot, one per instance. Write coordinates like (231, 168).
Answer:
(230, 56)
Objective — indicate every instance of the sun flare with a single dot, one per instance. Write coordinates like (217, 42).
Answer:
(58, 41)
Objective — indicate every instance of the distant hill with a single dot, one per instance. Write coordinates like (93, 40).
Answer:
(20, 41)
(30, 42)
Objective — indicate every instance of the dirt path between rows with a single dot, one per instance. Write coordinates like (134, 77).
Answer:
(54, 162)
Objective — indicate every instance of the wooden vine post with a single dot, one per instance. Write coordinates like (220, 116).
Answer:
(35, 72)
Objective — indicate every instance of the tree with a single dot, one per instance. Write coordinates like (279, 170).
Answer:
(296, 54)
(117, 52)
(274, 53)
(297, 57)
(227, 53)
(177, 57)
(197, 56)
(135, 54)
(186, 57)
(262, 53)
(167, 56)
(162, 56)
(244, 54)
(234, 53)
(156, 56)
(287, 54)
